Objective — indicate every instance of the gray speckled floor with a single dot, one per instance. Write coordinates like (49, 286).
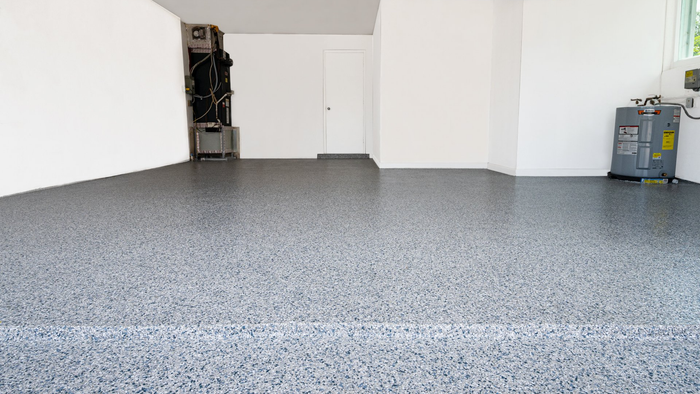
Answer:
(294, 275)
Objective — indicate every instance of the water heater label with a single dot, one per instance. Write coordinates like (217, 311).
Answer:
(629, 130)
(668, 141)
(626, 148)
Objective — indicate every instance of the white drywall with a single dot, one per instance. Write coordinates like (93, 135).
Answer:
(89, 89)
(580, 62)
(278, 85)
(505, 85)
(435, 83)
(672, 89)
(688, 164)
(376, 83)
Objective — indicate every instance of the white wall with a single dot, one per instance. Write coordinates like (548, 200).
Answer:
(278, 85)
(89, 89)
(579, 62)
(672, 82)
(376, 84)
(505, 85)
(688, 164)
(435, 83)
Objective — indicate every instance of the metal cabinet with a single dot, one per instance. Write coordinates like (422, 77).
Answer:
(216, 142)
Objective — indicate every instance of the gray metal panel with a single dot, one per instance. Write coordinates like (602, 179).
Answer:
(692, 77)
(645, 156)
(646, 129)
(209, 142)
(225, 141)
(235, 139)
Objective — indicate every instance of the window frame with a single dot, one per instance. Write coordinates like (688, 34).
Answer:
(686, 32)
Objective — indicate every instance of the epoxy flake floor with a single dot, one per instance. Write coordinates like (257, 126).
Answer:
(341, 247)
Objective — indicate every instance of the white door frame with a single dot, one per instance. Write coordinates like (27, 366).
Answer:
(325, 104)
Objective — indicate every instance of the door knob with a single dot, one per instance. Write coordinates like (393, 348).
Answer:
(329, 108)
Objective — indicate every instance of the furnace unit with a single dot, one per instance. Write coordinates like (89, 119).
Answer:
(210, 71)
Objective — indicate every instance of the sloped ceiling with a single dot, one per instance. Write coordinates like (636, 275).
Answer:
(279, 16)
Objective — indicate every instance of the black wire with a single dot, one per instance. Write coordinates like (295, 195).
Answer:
(213, 96)
(198, 63)
(684, 110)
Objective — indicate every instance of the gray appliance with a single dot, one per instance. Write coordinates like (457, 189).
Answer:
(646, 142)
(216, 141)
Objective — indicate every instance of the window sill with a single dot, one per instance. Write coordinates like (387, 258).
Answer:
(689, 63)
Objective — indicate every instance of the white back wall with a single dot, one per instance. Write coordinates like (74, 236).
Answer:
(90, 89)
(435, 83)
(505, 85)
(580, 62)
(278, 85)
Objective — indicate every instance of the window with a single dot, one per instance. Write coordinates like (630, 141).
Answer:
(689, 45)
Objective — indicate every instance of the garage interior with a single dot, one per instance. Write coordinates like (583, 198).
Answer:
(476, 245)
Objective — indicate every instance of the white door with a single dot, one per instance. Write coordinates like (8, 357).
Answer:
(344, 101)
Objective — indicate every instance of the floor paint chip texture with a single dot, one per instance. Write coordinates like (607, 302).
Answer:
(313, 275)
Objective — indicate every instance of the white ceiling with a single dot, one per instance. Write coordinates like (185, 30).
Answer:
(279, 16)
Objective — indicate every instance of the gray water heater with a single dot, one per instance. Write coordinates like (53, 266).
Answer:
(646, 142)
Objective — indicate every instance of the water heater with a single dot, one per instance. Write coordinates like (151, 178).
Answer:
(646, 142)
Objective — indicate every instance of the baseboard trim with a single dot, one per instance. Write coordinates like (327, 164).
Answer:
(426, 166)
(502, 169)
(561, 172)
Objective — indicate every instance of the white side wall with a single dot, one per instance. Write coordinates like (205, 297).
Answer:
(688, 163)
(672, 82)
(89, 89)
(505, 85)
(581, 61)
(278, 85)
(435, 83)
(376, 83)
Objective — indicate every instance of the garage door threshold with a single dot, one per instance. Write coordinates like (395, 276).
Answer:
(343, 156)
